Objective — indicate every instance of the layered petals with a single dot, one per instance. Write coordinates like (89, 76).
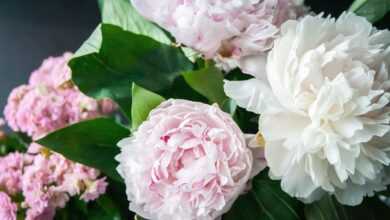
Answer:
(327, 88)
(187, 161)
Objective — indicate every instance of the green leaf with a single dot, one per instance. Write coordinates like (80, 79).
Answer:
(123, 14)
(92, 44)
(191, 54)
(230, 106)
(246, 208)
(92, 143)
(13, 142)
(100, 4)
(125, 58)
(329, 209)
(326, 209)
(265, 201)
(209, 83)
(373, 10)
(144, 101)
(106, 203)
(117, 193)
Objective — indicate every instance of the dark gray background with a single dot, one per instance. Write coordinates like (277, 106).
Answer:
(31, 30)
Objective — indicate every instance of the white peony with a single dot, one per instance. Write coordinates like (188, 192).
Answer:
(323, 108)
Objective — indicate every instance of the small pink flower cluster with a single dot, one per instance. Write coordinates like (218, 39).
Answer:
(45, 179)
(7, 207)
(51, 180)
(50, 101)
(46, 183)
(11, 171)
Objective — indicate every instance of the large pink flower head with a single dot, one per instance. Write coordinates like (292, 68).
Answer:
(222, 28)
(187, 161)
(7, 207)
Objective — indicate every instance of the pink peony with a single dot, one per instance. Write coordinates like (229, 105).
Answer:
(228, 30)
(187, 161)
(8, 209)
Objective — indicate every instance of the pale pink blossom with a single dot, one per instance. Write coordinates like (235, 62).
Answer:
(14, 99)
(39, 181)
(53, 72)
(11, 169)
(8, 209)
(46, 179)
(187, 161)
(51, 180)
(41, 110)
(50, 101)
(94, 190)
(229, 30)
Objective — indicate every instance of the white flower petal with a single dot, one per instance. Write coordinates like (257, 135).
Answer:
(253, 95)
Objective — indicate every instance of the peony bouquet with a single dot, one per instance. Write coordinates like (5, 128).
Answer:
(206, 110)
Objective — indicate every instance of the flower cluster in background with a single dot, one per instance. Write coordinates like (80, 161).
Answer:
(46, 180)
(50, 101)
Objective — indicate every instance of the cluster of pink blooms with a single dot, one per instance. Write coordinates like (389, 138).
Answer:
(7, 207)
(231, 31)
(50, 101)
(46, 179)
(50, 180)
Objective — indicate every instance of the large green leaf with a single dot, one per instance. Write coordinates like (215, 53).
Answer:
(92, 44)
(13, 142)
(265, 201)
(326, 209)
(143, 102)
(91, 142)
(209, 83)
(125, 58)
(373, 10)
(329, 209)
(108, 205)
(123, 14)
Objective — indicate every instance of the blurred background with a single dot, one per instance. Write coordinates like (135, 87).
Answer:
(30, 31)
